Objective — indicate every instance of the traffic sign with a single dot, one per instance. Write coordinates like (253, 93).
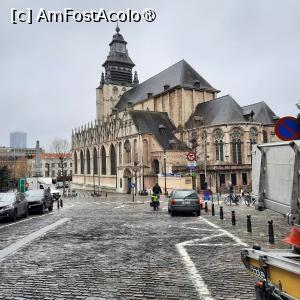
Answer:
(287, 129)
(191, 156)
(192, 164)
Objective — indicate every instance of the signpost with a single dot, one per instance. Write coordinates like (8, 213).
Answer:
(133, 187)
(287, 129)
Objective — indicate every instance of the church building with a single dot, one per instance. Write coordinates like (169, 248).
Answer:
(144, 131)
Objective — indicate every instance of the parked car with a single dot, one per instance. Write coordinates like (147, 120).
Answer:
(13, 205)
(55, 193)
(39, 200)
(184, 200)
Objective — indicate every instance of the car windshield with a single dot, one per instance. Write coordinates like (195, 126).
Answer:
(185, 194)
(34, 193)
(6, 197)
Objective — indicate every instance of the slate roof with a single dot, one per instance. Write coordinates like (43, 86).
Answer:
(226, 110)
(262, 112)
(150, 122)
(180, 74)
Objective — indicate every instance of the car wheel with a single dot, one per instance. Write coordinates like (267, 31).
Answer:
(50, 207)
(198, 213)
(42, 210)
(26, 212)
(169, 210)
(172, 213)
(13, 217)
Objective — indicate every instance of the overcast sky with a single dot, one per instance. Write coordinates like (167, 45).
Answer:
(49, 71)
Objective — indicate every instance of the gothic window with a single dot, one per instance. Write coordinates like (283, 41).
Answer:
(135, 153)
(81, 162)
(265, 136)
(95, 161)
(218, 137)
(120, 153)
(113, 162)
(103, 161)
(88, 162)
(236, 144)
(145, 152)
(155, 166)
(253, 133)
(75, 162)
(127, 152)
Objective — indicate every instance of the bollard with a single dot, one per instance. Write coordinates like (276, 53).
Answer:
(271, 232)
(221, 213)
(106, 194)
(212, 209)
(206, 208)
(57, 203)
(233, 220)
(61, 203)
(249, 225)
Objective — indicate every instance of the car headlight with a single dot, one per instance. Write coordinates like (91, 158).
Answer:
(7, 207)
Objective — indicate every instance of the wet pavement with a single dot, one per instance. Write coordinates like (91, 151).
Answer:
(112, 248)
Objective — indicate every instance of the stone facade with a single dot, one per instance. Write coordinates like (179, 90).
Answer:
(146, 129)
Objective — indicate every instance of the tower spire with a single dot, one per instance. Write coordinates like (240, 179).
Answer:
(118, 65)
(135, 78)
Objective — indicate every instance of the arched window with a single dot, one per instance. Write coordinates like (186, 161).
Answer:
(75, 162)
(103, 161)
(88, 162)
(253, 133)
(135, 153)
(236, 145)
(155, 166)
(265, 136)
(95, 161)
(81, 162)
(218, 137)
(145, 152)
(120, 153)
(127, 152)
(113, 162)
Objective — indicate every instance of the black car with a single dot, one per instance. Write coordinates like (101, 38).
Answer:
(39, 200)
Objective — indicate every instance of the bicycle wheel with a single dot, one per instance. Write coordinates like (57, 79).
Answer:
(237, 199)
(247, 200)
(227, 200)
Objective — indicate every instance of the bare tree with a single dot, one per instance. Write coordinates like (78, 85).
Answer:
(63, 150)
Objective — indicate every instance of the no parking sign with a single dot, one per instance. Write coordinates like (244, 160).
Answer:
(287, 129)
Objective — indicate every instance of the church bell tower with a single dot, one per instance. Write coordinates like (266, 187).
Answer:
(117, 78)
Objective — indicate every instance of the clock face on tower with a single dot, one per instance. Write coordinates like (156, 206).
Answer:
(120, 47)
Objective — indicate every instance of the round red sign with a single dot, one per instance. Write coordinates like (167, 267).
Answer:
(191, 156)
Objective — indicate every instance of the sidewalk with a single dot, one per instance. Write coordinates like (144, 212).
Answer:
(259, 220)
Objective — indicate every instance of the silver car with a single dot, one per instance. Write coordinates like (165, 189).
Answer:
(13, 205)
(184, 200)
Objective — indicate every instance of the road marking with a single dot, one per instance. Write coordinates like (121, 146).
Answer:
(235, 238)
(29, 238)
(27, 219)
(196, 278)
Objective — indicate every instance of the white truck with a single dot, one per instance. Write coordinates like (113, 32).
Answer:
(35, 183)
(276, 186)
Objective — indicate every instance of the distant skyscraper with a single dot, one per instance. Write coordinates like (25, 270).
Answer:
(18, 139)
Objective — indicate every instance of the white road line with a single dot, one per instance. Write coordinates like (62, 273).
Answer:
(27, 219)
(235, 238)
(29, 238)
(198, 282)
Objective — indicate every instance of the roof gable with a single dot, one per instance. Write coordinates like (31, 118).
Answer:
(180, 74)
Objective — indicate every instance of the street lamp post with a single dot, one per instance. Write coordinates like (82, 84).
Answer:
(165, 169)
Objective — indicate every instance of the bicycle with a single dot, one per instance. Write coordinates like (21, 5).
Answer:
(232, 198)
(249, 200)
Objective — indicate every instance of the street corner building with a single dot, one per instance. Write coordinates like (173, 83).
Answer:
(143, 131)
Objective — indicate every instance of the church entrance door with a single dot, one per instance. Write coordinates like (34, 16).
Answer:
(127, 178)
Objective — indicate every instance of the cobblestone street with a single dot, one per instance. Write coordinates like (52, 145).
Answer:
(112, 248)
